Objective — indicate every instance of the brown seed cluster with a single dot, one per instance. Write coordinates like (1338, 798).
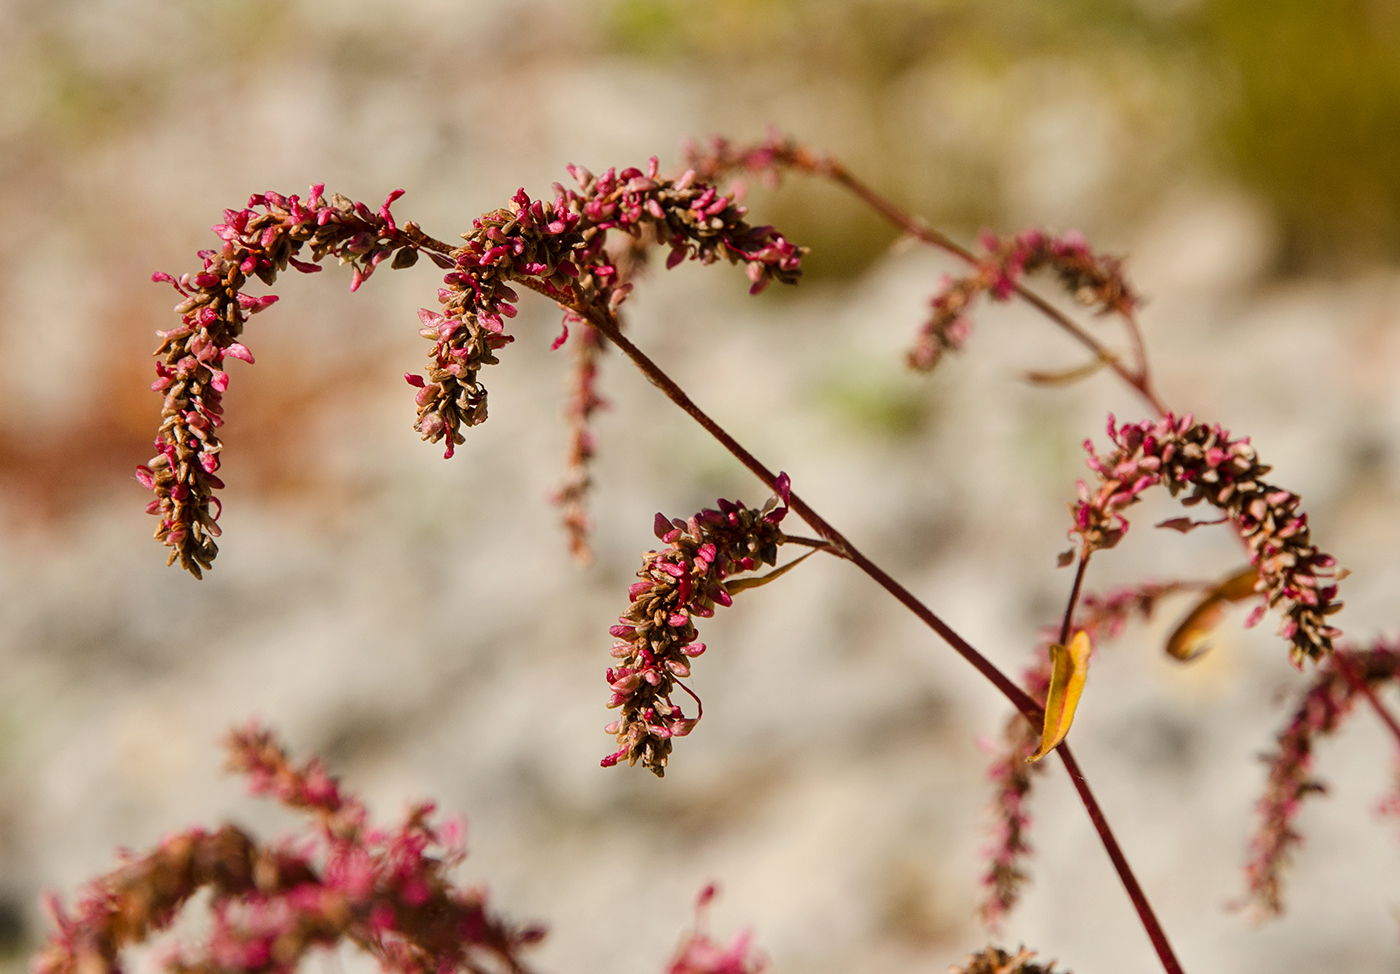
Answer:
(656, 636)
(260, 241)
(994, 960)
(1208, 465)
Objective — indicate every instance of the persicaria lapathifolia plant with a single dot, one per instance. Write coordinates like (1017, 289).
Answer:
(582, 248)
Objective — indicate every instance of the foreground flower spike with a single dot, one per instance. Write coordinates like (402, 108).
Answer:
(699, 954)
(994, 960)
(1094, 280)
(259, 241)
(656, 636)
(270, 905)
(1225, 472)
(1320, 711)
(1013, 774)
(557, 248)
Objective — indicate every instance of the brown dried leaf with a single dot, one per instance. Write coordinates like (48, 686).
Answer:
(1188, 640)
(1068, 377)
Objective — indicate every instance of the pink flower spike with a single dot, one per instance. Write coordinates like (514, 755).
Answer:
(240, 352)
(414, 380)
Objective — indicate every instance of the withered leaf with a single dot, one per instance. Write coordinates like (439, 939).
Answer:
(1188, 640)
(739, 584)
(1068, 668)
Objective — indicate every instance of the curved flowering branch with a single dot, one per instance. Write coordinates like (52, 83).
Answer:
(377, 888)
(1321, 709)
(1094, 280)
(557, 248)
(1203, 460)
(1090, 278)
(656, 635)
(259, 241)
(1013, 773)
(994, 960)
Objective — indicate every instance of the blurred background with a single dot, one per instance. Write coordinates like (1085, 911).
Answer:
(418, 622)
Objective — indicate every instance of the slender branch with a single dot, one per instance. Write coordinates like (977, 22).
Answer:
(607, 325)
(1155, 932)
(1068, 621)
(1139, 379)
(1360, 685)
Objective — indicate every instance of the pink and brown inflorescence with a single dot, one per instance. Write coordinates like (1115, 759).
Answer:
(259, 241)
(994, 960)
(1094, 280)
(1320, 711)
(379, 889)
(1013, 775)
(699, 953)
(656, 636)
(557, 248)
(1211, 466)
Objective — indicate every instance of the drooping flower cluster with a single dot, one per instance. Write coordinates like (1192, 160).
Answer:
(994, 960)
(1210, 466)
(259, 241)
(584, 401)
(700, 954)
(558, 249)
(376, 888)
(1321, 709)
(1013, 775)
(656, 635)
(1094, 280)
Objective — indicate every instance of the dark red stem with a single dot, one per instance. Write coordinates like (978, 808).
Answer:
(1155, 932)
(1361, 685)
(1068, 621)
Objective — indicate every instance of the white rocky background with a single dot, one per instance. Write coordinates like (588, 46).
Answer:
(418, 623)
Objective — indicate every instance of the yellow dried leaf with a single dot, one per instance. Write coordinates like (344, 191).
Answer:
(1068, 668)
(1189, 639)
